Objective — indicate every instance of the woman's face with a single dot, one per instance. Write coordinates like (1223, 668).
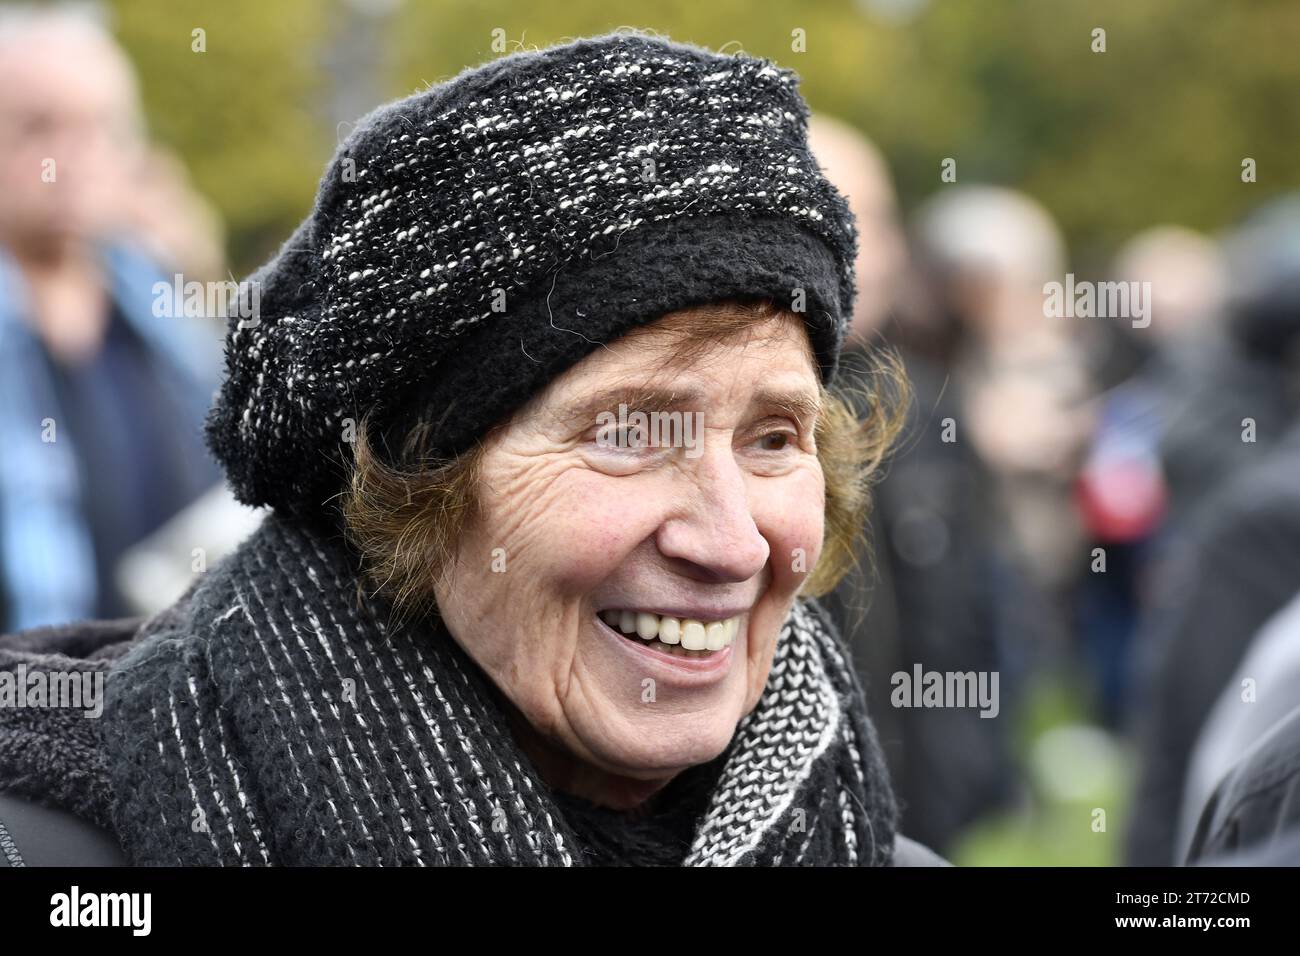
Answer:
(701, 540)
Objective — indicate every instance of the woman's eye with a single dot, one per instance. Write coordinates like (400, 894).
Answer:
(776, 441)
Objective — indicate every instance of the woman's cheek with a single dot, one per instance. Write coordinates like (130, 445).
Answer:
(791, 514)
(594, 524)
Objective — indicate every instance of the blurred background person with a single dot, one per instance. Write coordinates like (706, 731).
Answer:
(1138, 478)
(929, 590)
(862, 175)
(1220, 351)
(102, 398)
(1020, 377)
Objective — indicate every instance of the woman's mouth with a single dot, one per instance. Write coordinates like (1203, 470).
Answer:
(680, 637)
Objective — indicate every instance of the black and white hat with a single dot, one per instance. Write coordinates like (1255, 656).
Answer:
(471, 242)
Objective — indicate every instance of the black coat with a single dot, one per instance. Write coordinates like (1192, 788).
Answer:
(1238, 567)
(1256, 807)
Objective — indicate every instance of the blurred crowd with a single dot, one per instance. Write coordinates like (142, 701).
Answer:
(1114, 497)
(1091, 496)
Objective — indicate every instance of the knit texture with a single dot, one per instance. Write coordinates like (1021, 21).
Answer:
(659, 835)
(471, 242)
(53, 754)
(271, 718)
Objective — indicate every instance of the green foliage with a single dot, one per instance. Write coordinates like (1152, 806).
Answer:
(1152, 130)
(241, 113)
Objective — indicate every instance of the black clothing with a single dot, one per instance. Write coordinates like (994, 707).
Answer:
(1239, 565)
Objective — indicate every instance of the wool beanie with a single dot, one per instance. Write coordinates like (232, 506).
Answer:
(470, 243)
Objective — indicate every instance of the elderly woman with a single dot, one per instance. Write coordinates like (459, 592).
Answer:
(538, 397)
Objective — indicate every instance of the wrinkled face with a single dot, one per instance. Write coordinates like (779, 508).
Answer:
(625, 582)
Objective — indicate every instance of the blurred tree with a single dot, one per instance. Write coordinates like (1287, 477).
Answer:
(245, 114)
(1154, 129)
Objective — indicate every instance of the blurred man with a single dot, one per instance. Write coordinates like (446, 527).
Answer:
(926, 594)
(1187, 276)
(1218, 357)
(860, 173)
(1021, 376)
(1137, 478)
(101, 399)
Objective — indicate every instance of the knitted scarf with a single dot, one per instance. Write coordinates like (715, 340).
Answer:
(272, 717)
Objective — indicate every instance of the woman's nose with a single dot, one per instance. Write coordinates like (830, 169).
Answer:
(713, 531)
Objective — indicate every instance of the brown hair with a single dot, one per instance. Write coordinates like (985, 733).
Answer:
(406, 517)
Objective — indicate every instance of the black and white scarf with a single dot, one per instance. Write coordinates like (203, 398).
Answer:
(272, 718)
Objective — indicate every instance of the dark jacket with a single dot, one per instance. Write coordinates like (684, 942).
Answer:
(1239, 567)
(1257, 805)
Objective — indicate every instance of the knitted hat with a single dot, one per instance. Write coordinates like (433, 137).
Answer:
(471, 242)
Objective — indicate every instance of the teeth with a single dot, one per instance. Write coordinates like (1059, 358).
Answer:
(685, 635)
(693, 636)
(670, 630)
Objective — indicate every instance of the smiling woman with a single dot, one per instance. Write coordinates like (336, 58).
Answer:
(473, 631)
(406, 514)
(577, 575)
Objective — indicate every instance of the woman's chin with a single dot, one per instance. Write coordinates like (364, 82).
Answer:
(657, 747)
